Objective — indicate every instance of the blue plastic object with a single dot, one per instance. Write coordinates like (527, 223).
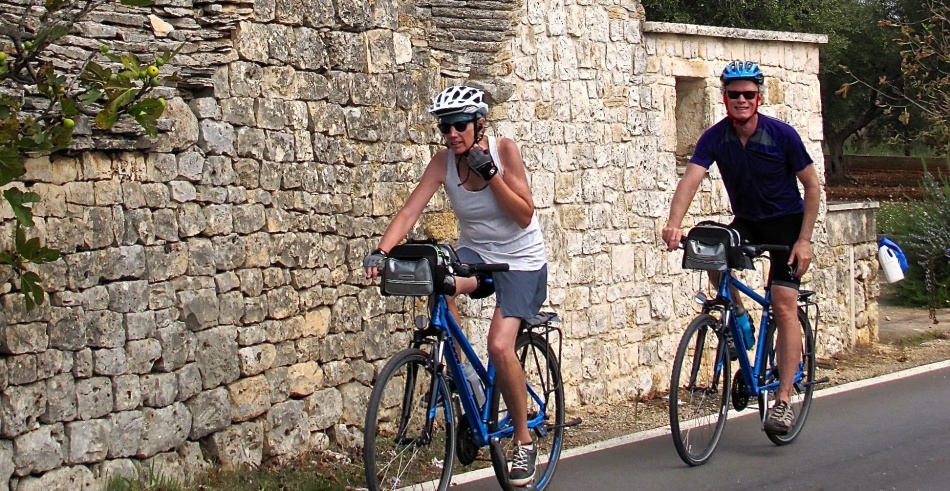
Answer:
(884, 241)
(745, 327)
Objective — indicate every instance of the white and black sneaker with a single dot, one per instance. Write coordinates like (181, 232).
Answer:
(779, 419)
(522, 464)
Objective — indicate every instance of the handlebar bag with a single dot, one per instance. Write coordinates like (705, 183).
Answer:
(418, 269)
(712, 246)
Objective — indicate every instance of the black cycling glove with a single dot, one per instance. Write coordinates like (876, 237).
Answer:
(374, 259)
(479, 161)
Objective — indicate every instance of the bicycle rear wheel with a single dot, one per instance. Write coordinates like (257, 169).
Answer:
(545, 398)
(409, 434)
(699, 390)
(804, 387)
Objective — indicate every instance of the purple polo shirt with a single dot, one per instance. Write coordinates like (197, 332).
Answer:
(760, 177)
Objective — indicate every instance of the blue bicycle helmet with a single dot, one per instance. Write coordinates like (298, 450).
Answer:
(742, 70)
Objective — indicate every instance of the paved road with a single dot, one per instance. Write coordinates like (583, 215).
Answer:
(891, 435)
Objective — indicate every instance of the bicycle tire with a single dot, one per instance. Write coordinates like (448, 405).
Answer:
(804, 389)
(397, 410)
(699, 390)
(543, 375)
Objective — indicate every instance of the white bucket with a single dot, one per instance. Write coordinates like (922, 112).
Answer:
(890, 265)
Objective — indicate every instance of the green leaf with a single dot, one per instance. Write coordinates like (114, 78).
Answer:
(130, 61)
(7, 258)
(69, 107)
(11, 163)
(106, 118)
(18, 201)
(33, 293)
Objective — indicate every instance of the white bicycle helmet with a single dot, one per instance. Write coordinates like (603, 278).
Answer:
(459, 99)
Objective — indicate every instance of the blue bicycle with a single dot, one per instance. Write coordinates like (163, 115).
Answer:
(424, 414)
(700, 387)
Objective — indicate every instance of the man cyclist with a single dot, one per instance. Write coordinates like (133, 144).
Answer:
(760, 159)
(485, 180)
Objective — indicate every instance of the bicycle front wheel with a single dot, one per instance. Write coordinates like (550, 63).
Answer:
(699, 390)
(804, 386)
(545, 404)
(409, 433)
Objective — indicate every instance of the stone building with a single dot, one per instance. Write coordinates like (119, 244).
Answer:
(210, 301)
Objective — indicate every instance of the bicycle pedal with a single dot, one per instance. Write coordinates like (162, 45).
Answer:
(822, 380)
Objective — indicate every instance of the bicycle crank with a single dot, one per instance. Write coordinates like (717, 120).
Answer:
(740, 393)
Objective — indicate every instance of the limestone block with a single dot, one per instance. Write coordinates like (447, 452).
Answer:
(199, 308)
(105, 329)
(166, 466)
(6, 463)
(128, 296)
(110, 361)
(23, 338)
(185, 127)
(238, 446)
(82, 363)
(205, 107)
(254, 360)
(39, 450)
(94, 397)
(189, 381)
(215, 137)
(304, 378)
(140, 325)
(250, 397)
(191, 219)
(159, 389)
(229, 251)
(127, 392)
(119, 468)
(323, 408)
(345, 437)
(164, 429)
(176, 347)
(285, 430)
(88, 441)
(21, 408)
(166, 224)
(279, 147)
(355, 397)
(78, 478)
(216, 354)
(210, 412)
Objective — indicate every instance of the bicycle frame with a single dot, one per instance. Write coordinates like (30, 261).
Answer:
(746, 368)
(444, 354)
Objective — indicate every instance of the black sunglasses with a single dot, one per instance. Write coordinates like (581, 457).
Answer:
(747, 94)
(459, 126)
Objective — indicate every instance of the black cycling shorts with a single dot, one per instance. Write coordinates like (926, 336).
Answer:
(783, 230)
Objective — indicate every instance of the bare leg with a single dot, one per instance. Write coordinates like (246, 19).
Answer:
(509, 375)
(789, 343)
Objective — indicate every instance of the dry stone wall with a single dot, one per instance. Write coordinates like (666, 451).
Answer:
(211, 304)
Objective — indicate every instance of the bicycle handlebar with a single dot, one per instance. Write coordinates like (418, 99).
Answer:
(465, 270)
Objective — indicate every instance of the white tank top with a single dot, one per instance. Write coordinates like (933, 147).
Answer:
(485, 228)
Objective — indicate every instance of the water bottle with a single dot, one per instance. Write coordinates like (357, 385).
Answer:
(744, 323)
(474, 382)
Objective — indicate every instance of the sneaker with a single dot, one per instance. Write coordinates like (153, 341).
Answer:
(522, 464)
(779, 419)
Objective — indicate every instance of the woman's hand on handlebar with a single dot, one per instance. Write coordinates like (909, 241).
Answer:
(373, 263)
(672, 236)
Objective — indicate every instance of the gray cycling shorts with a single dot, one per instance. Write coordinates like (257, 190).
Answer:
(518, 293)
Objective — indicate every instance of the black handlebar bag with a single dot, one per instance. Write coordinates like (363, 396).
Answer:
(712, 246)
(418, 269)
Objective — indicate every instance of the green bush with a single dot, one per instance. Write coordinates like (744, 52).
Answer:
(922, 229)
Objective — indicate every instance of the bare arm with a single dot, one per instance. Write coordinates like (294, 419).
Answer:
(802, 250)
(406, 217)
(685, 191)
(512, 191)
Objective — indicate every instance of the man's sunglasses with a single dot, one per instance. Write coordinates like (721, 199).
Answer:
(459, 126)
(747, 94)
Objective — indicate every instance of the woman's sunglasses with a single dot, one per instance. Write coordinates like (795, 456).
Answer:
(459, 126)
(747, 94)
